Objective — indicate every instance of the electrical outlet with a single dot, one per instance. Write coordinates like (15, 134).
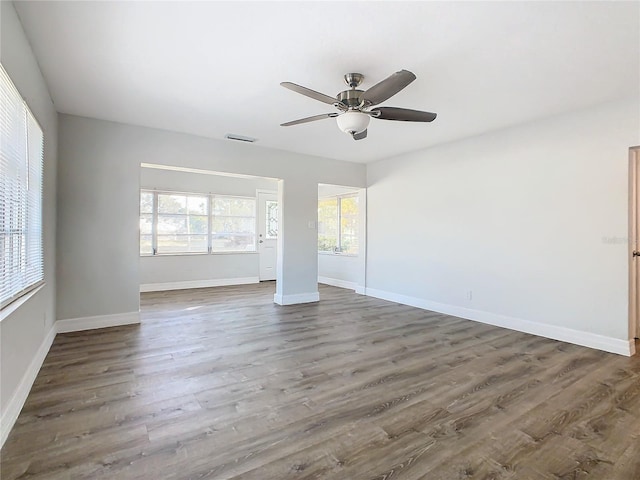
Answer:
(469, 295)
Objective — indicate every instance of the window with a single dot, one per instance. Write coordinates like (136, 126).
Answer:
(233, 224)
(182, 223)
(348, 215)
(21, 161)
(328, 225)
(271, 222)
(147, 200)
(338, 224)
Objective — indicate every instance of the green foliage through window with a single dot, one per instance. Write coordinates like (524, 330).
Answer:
(338, 224)
(196, 223)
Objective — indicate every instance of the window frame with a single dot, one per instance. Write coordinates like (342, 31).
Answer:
(210, 218)
(155, 222)
(338, 248)
(31, 262)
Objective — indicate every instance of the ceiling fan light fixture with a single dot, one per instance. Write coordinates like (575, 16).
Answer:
(353, 122)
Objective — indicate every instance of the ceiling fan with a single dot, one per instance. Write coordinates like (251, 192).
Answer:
(354, 105)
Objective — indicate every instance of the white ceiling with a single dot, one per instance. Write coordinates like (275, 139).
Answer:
(211, 68)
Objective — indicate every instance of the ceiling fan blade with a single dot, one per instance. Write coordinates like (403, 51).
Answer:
(309, 119)
(388, 87)
(402, 114)
(310, 93)
(361, 135)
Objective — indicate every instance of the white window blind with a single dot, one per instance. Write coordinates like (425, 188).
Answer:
(21, 162)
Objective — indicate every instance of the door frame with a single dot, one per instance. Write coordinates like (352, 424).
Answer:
(634, 173)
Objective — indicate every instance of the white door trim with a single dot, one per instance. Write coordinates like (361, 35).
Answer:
(634, 172)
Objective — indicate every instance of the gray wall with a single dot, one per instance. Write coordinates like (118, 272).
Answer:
(184, 268)
(153, 178)
(198, 268)
(22, 333)
(531, 219)
(100, 161)
(98, 205)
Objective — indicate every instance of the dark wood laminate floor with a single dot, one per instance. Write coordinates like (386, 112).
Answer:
(221, 383)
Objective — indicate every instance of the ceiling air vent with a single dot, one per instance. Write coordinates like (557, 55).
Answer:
(240, 138)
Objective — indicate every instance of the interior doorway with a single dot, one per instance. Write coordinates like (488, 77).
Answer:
(267, 233)
(342, 236)
(199, 228)
(634, 242)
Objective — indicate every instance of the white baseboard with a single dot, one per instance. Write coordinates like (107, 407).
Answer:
(217, 282)
(22, 392)
(578, 337)
(297, 298)
(336, 282)
(99, 321)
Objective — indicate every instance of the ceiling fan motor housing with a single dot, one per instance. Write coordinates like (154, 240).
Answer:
(352, 99)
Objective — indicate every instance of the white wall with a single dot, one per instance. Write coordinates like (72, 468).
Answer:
(325, 191)
(339, 270)
(520, 217)
(192, 270)
(98, 207)
(25, 334)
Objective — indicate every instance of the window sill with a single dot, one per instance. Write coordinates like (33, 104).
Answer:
(338, 254)
(18, 302)
(196, 254)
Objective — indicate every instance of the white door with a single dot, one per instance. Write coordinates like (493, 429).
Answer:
(267, 234)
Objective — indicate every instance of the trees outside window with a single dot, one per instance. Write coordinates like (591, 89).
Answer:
(183, 223)
(338, 223)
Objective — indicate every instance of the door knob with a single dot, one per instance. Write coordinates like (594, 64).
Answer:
(636, 253)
